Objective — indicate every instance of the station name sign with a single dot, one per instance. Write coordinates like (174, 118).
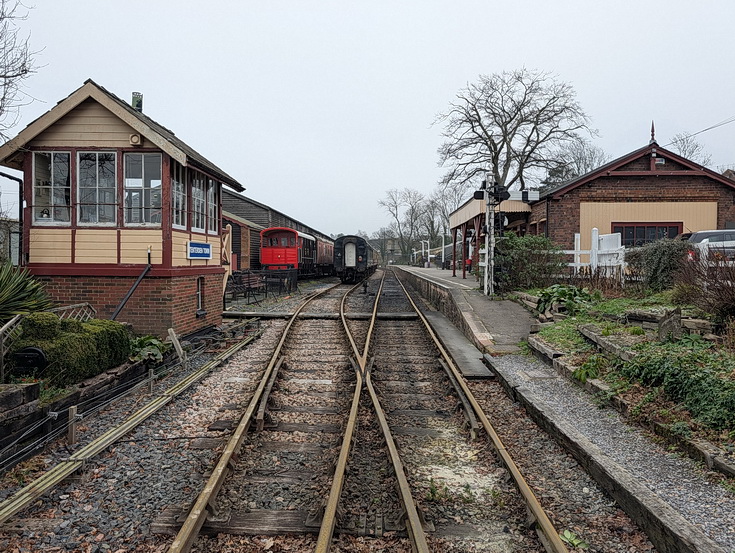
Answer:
(198, 250)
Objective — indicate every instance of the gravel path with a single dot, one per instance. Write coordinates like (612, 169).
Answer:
(681, 482)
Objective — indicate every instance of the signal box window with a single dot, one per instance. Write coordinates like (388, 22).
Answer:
(143, 189)
(51, 187)
(198, 202)
(97, 187)
(178, 195)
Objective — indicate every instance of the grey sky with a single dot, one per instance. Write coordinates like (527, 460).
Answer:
(319, 107)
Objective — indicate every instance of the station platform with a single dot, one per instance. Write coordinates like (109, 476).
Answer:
(641, 475)
(495, 326)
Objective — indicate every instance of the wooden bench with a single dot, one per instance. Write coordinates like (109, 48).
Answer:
(248, 284)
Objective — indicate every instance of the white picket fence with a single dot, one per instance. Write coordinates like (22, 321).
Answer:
(606, 254)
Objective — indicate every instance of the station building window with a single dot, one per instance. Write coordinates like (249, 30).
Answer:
(639, 234)
(96, 178)
(200, 297)
(51, 187)
(143, 189)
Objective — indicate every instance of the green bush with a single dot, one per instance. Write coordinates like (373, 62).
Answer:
(569, 297)
(696, 375)
(149, 349)
(112, 339)
(71, 358)
(658, 262)
(41, 326)
(71, 325)
(523, 262)
(74, 350)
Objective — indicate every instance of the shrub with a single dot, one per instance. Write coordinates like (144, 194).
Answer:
(149, 349)
(112, 340)
(70, 325)
(569, 297)
(658, 262)
(691, 373)
(41, 326)
(523, 262)
(708, 281)
(74, 350)
(71, 357)
(20, 293)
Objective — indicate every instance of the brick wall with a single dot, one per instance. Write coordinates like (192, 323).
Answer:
(157, 304)
(563, 219)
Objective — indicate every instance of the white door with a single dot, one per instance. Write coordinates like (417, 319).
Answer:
(350, 254)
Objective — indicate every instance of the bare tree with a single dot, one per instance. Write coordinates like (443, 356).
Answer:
(405, 208)
(384, 240)
(509, 124)
(16, 64)
(448, 197)
(431, 220)
(577, 158)
(687, 146)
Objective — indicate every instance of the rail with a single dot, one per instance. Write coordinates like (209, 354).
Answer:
(27, 495)
(548, 534)
(198, 513)
(362, 370)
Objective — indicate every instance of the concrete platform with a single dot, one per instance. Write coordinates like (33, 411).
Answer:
(494, 326)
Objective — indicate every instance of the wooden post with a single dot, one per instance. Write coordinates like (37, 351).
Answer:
(179, 350)
(72, 433)
(151, 380)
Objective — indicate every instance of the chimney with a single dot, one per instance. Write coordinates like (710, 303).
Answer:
(138, 101)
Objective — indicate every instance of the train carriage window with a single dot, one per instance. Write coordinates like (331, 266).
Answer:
(292, 241)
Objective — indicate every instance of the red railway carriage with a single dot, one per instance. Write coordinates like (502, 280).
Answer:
(286, 248)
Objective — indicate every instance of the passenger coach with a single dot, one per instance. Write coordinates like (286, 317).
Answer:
(354, 258)
(284, 248)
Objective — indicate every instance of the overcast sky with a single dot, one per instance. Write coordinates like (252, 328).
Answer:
(319, 107)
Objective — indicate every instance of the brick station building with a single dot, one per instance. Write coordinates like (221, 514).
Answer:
(112, 199)
(648, 194)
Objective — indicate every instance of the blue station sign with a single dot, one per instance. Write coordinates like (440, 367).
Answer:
(198, 250)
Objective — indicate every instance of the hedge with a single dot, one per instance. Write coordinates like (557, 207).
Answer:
(75, 351)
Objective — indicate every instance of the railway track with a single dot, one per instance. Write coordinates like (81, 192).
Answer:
(389, 446)
(333, 446)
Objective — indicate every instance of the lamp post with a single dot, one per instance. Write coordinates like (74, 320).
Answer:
(428, 252)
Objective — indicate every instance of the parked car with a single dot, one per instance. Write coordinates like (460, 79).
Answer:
(717, 242)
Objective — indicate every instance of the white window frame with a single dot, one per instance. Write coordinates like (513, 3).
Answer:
(198, 202)
(129, 188)
(212, 207)
(178, 192)
(96, 222)
(50, 220)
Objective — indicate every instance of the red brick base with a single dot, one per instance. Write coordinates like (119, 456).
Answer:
(157, 304)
